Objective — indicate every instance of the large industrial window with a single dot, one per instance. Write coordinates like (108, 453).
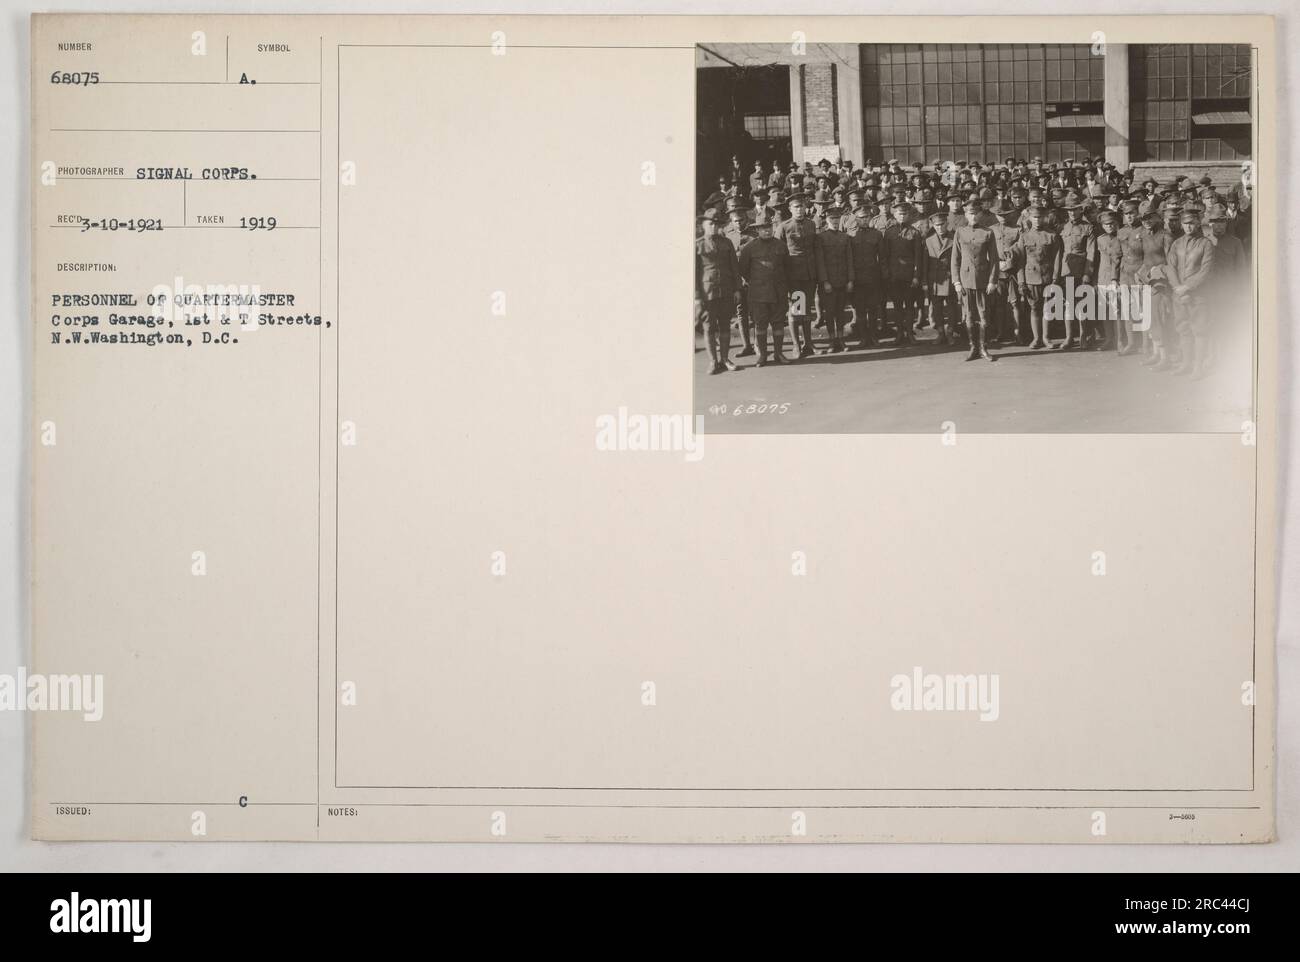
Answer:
(892, 91)
(927, 102)
(767, 126)
(1190, 101)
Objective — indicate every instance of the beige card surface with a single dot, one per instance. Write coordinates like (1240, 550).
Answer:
(382, 490)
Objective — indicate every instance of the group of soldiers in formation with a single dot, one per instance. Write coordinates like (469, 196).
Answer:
(975, 251)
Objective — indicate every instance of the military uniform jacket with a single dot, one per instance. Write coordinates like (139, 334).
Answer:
(903, 253)
(762, 265)
(868, 248)
(936, 268)
(717, 272)
(1038, 256)
(975, 258)
(1110, 257)
(1154, 246)
(834, 258)
(1078, 250)
(1130, 242)
(800, 239)
(1005, 237)
(1190, 259)
(737, 236)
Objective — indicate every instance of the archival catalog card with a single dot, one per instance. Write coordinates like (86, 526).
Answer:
(653, 429)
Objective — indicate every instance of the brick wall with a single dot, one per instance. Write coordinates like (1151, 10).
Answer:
(817, 81)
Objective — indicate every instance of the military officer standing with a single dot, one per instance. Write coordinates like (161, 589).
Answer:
(1078, 252)
(902, 265)
(975, 273)
(1130, 240)
(717, 285)
(1160, 329)
(740, 234)
(762, 267)
(1008, 320)
(1110, 254)
(1190, 261)
(1037, 254)
(937, 279)
(800, 238)
(868, 281)
(835, 272)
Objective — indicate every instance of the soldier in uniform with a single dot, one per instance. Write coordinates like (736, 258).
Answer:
(1008, 321)
(1110, 255)
(800, 238)
(1035, 200)
(1037, 255)
(762, 267)
(835, 271)
(1190, 261)
(902, 267)
(937, 278)
(1155, 242)
(975, 274)
(868, 281)
(1078, 252)
(1172, 212)
(1130, 240)
(776, 208)
(955, 217)
(740, 234)
(717, 285)
(1229, 252)
(849, 219)
(922, 208)
(883, 217)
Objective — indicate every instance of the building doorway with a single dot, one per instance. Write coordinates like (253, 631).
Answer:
(742, 115)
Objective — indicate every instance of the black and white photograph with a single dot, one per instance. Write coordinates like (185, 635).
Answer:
(357, 530)
(992, 238)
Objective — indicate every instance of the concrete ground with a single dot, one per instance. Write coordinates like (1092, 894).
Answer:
(915, 389)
